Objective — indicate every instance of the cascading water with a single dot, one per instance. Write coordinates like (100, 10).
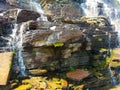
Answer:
(18, 48)
(33, 5)
(37, 7)
(15, 40)
(108, 8)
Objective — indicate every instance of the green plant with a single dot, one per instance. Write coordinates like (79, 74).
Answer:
(33, 52)
(52, 64)
(99, 39)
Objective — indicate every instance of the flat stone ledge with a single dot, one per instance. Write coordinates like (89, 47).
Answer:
(5, 66)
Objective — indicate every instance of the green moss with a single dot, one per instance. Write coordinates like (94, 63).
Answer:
(33, 52)
(65, 62)
(99, 40)
(103, 50)
(52, 65)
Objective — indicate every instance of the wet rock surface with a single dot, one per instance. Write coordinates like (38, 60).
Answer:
(67, 42)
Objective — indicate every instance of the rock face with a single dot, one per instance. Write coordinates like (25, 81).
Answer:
(114, 63)
(5, 66)
(68, 44)
(66, 41)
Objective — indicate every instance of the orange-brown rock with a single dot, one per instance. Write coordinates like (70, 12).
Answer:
(78, 74)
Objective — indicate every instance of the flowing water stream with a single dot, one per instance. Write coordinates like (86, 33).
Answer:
(108, 8)
(15, 39)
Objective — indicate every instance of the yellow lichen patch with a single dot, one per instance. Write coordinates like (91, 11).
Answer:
(116, 88)
(64, 83)
(116, 52)
(42, 83)
(103, 50)
(58, 44)
(26, 81)
(81, 86)
(114, 64)
(56, 83)
(24, 87)
(114, 58)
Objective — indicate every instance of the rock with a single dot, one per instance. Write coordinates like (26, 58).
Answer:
(103, 84)
(73, 11)
(37, 71)
(31, 15)
(5, 66)
(39, 57)
(115, 58)
(99, 21)
(51, 37)
(5, 25)
(39, 25)
(116, 54)
(78, 75)
(58, 11)
(10, 13)
(5, 20)
(11, 2)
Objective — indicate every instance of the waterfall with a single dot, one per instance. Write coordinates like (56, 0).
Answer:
(33, 5)
(19, 48)
(15, 39)
(37, 7)
(108, 8)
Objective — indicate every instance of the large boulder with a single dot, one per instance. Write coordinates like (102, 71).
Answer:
(59, 42)
(69, 43)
